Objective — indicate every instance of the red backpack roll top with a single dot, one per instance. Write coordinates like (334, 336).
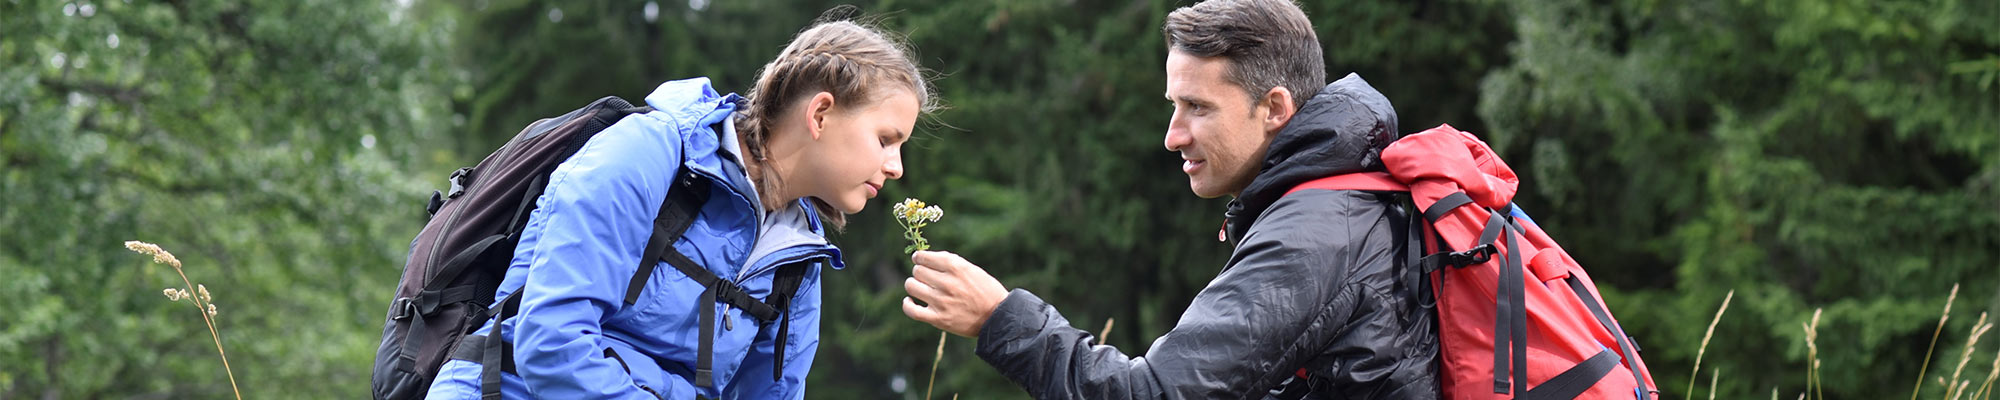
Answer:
(1518, 317)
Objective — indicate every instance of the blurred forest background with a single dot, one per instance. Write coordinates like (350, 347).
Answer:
(1807, 154)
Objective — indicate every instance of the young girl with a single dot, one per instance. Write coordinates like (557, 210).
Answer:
(820, 133)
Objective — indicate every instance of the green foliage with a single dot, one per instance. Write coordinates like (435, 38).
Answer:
(1807, 154)
(266, 148)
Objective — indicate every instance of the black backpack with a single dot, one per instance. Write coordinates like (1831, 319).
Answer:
(457, 261)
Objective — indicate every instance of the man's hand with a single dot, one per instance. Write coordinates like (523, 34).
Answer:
(959, 295)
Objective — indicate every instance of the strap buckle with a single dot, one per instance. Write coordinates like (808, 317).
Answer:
(1477, 255)
(1460, 259)
(459, 180)
(403, 308)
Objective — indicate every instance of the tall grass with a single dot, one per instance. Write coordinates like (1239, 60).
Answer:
(1954, 387)
(1813, 384)
(195, 294)
(1704, 346)
(1935, 343)
(934, 365)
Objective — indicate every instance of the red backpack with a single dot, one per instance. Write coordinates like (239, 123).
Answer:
(1512, 297)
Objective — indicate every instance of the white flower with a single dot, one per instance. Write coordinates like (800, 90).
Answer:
(913, 215)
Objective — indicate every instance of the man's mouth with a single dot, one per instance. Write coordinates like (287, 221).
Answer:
(1189, 165)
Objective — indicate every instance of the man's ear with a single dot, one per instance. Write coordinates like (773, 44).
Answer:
(1278, 101)
(816, 110)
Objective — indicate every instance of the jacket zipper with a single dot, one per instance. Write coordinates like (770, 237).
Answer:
(773, 266)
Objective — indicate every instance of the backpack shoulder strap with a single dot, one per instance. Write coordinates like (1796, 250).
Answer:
(676, 214)
(783, 289)
(1369, 181)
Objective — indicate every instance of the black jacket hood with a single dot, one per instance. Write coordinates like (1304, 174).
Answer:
(1342, 129)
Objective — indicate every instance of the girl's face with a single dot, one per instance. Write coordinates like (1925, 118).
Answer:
(857, 148)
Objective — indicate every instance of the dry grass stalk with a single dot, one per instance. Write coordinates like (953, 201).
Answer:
(1986, 389)
(197, 295)
(1696, 374)
(1972, 344)
(1925, 368)
(934, 365)
(1106, 333)
(1812, 352)
(1713, 377)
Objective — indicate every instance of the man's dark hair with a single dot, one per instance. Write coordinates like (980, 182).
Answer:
(1269, 43)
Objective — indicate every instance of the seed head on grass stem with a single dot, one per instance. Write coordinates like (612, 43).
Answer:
(1926, 366)
(196, 294)
(1696, 374)
(1953, 387)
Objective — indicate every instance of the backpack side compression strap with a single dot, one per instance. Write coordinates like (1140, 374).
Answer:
(1625, 344)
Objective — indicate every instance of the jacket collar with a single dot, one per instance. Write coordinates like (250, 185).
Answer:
(1342, 129)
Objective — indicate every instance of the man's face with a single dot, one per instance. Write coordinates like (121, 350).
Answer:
(1220, 133)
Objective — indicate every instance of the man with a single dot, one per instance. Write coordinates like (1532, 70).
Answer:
(1314, 297)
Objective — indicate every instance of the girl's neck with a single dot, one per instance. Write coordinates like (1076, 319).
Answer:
(756, 168)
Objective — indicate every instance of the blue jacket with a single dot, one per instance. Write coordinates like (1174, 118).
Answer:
(581, 247)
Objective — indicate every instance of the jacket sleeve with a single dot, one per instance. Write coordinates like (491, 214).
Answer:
(754, 381)
(589, 229)
(1254, 325)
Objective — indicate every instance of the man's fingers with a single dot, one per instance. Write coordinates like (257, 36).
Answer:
(937, 260)
(920, 290)
(919, 313)
(932, 277)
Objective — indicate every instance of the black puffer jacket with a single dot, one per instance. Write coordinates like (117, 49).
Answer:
(1315, 282)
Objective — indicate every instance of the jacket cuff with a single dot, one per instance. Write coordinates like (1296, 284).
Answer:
(1018, 315)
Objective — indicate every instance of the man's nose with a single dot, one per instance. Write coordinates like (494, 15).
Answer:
(1178, 138)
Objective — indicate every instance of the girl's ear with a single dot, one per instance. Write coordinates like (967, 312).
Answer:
(816, 110)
